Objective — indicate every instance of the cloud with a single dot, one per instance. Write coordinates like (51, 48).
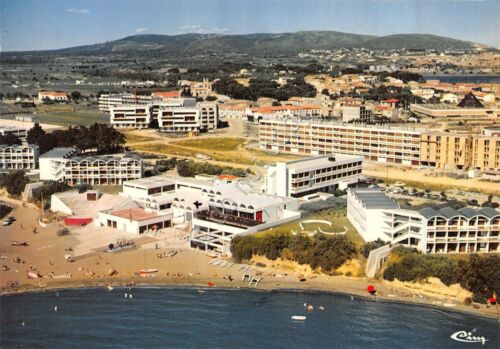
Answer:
(191, 27)
(200, 29)
(142, 30)
(77, 10)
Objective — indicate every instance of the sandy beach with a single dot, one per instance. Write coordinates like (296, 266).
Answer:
(41, 266)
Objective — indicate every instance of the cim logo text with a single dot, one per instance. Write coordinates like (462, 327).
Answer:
(467, 337)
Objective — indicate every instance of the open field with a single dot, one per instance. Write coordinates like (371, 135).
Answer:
(422, 179)
(75, 118)
(335, 215)
(219, 144)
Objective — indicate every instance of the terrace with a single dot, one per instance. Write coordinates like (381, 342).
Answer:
(218, 217)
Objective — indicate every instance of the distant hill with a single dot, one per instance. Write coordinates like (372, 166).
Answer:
(260, 44)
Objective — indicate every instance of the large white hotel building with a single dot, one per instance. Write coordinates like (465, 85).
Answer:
(173, 113)
(65, 165)
(18, 157)
(376, 216)
(306, 176)
(317, 137)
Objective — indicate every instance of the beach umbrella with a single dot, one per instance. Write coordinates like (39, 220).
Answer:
(370, 288)
(211, 284)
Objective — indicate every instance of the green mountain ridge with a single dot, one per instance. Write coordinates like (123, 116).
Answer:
(260, 43)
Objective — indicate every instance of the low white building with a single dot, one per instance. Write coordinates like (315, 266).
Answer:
(18, 157)
(445, 231)
(108, 101)
(65, 165)
(19, 132)
(216, 210)
(306, 176)
(59, 96)
(134, 220)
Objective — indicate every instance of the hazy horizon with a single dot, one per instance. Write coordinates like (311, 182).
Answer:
(54, 24)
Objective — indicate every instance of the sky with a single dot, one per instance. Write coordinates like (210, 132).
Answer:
(52, 24)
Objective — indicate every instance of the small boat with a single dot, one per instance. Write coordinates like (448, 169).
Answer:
(171, 253)
(144, 272)
(298, 317)
(33, 275)
(19, 243)
(110, 288)
(121, 245)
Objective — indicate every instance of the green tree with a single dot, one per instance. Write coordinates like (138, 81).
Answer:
(10, 139)
(14, 182)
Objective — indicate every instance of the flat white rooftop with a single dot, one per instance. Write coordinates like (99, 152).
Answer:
(321, 161)
(149, 182)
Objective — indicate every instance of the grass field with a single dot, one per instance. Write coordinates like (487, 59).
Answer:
(334, 215)
(133, 138)
(218, 144)
(73, 118)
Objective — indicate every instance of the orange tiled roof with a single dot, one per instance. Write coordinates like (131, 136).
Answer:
(166, 94)
(54, 93)
(135, 214)
(272, 109)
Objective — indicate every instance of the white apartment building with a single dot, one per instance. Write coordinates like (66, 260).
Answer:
(376, 216)
(63, 164)
(108, 101)
(173, 114)
(130, 116)
(21, 133)
(356, 113)
(216, 210)
(18, 157)
(318, 137)
(315, 174)
(191, 116)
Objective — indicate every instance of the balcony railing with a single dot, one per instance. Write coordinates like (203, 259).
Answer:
(217, 217)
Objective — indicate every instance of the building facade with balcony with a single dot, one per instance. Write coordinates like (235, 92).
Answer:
(324, 173)
(65, 165)
(191, 116)
(215, 210)
(444, 231)
(130, 116)
(317, 137)
(108, 101)
(18, 157)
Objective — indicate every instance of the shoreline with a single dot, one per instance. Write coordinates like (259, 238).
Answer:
(226, 285)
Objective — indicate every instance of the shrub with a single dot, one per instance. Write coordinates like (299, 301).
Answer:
(47, 189)
(242, 247)
(372, 245)
(481, 276)
(417, 267)
(14, 182)
(320, 251)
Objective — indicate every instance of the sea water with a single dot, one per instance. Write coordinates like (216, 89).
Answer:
(170, 317)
